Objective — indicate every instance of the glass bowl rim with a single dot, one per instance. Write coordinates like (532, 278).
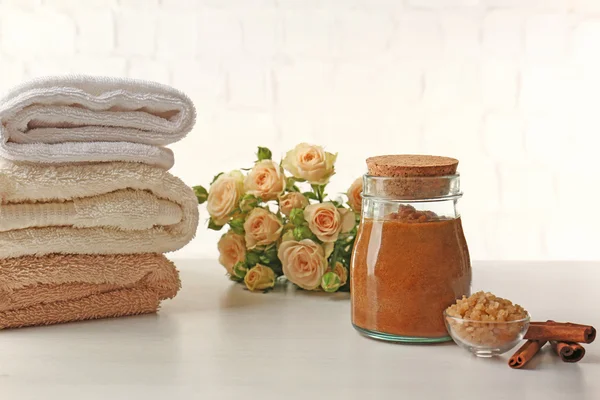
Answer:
(526, 319)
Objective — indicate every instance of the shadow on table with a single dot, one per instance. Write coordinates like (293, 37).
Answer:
(148, 324)
(198, 295)
(238, 296)
(337, 296)
(590, 359)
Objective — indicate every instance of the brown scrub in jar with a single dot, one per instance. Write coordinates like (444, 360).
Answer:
(410, 258)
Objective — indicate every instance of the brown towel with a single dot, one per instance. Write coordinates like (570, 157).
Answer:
(62, 288)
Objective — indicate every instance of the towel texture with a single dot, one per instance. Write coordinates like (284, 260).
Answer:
(100, 208)
(62, 288)
(87, 118)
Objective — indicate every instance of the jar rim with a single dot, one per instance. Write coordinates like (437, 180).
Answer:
(412, 188)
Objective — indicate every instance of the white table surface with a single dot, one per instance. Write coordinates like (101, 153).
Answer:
(218, 341)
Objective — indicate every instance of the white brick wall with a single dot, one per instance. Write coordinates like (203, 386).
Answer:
(508, 86)
(50, 33)
(95, 31)
(136, 32)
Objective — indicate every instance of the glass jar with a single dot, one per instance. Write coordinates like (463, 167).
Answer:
(410, 260)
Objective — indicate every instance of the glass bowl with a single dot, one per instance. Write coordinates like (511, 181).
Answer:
(486, 338)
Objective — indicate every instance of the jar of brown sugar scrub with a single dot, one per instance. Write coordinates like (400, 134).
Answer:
(410, 259)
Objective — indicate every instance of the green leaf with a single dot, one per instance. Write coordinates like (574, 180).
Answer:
(212, 225)
(201, 194)
(271, 253)
(302, 232)
(264, 153)
(269, 256)
(237, 225)
(239, 270)
(310, 195)
(290, 184)
(234, 212)
(252, 258)
(292, 188)
(248, 202)
(297, 216)
(216, 177)
(276, 267)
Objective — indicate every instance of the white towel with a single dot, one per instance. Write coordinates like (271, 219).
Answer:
(99, 208)
(86, 119)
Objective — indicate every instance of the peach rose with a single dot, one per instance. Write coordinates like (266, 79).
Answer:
(355, 194)
(340, 271)
(266, 180)
(232, 249)
(310, 162)
(224, 196)
(262, 227)
(326, 221)
(259, 277)
(303, 262)
(292, 200)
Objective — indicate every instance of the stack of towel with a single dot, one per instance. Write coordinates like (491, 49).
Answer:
(87, 206)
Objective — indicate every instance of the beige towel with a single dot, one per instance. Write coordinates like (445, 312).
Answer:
(63, 288)
(105, 208)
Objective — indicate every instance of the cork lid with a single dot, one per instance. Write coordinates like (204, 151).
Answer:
(410, 176)
(406, 165)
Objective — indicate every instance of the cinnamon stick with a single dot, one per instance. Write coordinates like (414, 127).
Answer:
(561, 332)
(568, 352)
(525, 353)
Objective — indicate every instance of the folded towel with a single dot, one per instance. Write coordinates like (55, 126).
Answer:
(86, 118)
(62, 288)
(100, 208)
(123, 209)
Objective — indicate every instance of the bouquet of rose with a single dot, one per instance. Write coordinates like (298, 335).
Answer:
(276, 228)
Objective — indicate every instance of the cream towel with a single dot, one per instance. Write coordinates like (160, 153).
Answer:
(123, 209)
(106, 208)
(62, 288)
(86, 118)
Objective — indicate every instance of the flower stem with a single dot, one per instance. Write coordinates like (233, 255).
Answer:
(334, 259)
(318, 190)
